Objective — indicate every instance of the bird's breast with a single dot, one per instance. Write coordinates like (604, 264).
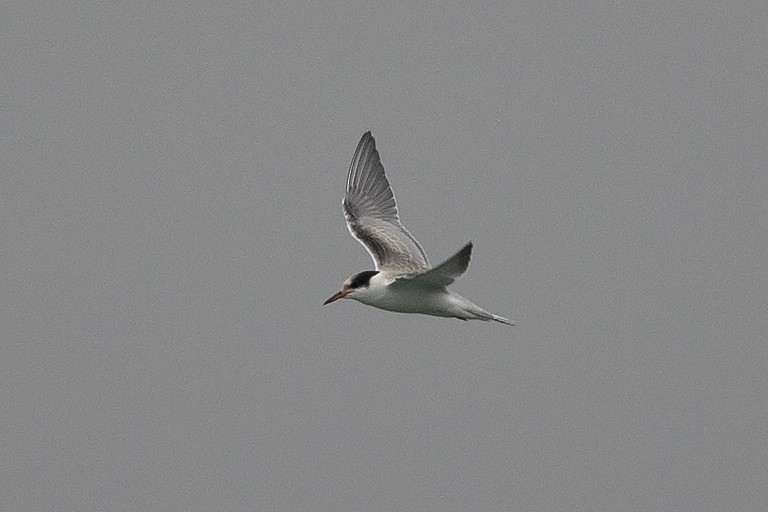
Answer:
(430, 302)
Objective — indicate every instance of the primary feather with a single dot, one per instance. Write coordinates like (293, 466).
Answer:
(445, 273)
(372, 218)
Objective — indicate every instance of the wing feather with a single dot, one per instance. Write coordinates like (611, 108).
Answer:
(443, 274)
(372, 217)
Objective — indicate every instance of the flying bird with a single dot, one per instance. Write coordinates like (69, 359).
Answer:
(403, 280)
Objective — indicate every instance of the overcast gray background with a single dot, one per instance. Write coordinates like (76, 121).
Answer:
(171, 223)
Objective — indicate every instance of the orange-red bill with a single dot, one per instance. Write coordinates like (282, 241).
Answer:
(336, 296)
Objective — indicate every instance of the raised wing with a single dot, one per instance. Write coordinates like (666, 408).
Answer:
(371, 212)
(443, 274)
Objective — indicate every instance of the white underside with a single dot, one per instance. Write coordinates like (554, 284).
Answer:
(426, 301)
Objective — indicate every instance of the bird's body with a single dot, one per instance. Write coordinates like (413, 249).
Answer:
(403, 281)
(383, 292)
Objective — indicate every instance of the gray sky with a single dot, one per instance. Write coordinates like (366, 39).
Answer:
(171, 223)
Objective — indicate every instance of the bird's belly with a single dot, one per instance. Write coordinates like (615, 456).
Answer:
(436, 303)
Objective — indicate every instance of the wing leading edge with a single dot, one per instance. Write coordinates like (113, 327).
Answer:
(372, 217)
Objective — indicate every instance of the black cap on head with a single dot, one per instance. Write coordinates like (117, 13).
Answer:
(363, 279)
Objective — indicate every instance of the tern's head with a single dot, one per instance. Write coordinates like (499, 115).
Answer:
(353, 286)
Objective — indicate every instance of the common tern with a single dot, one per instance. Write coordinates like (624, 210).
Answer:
(403, 280)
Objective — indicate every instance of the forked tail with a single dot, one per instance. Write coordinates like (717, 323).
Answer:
(486, 316)
(471, 311)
